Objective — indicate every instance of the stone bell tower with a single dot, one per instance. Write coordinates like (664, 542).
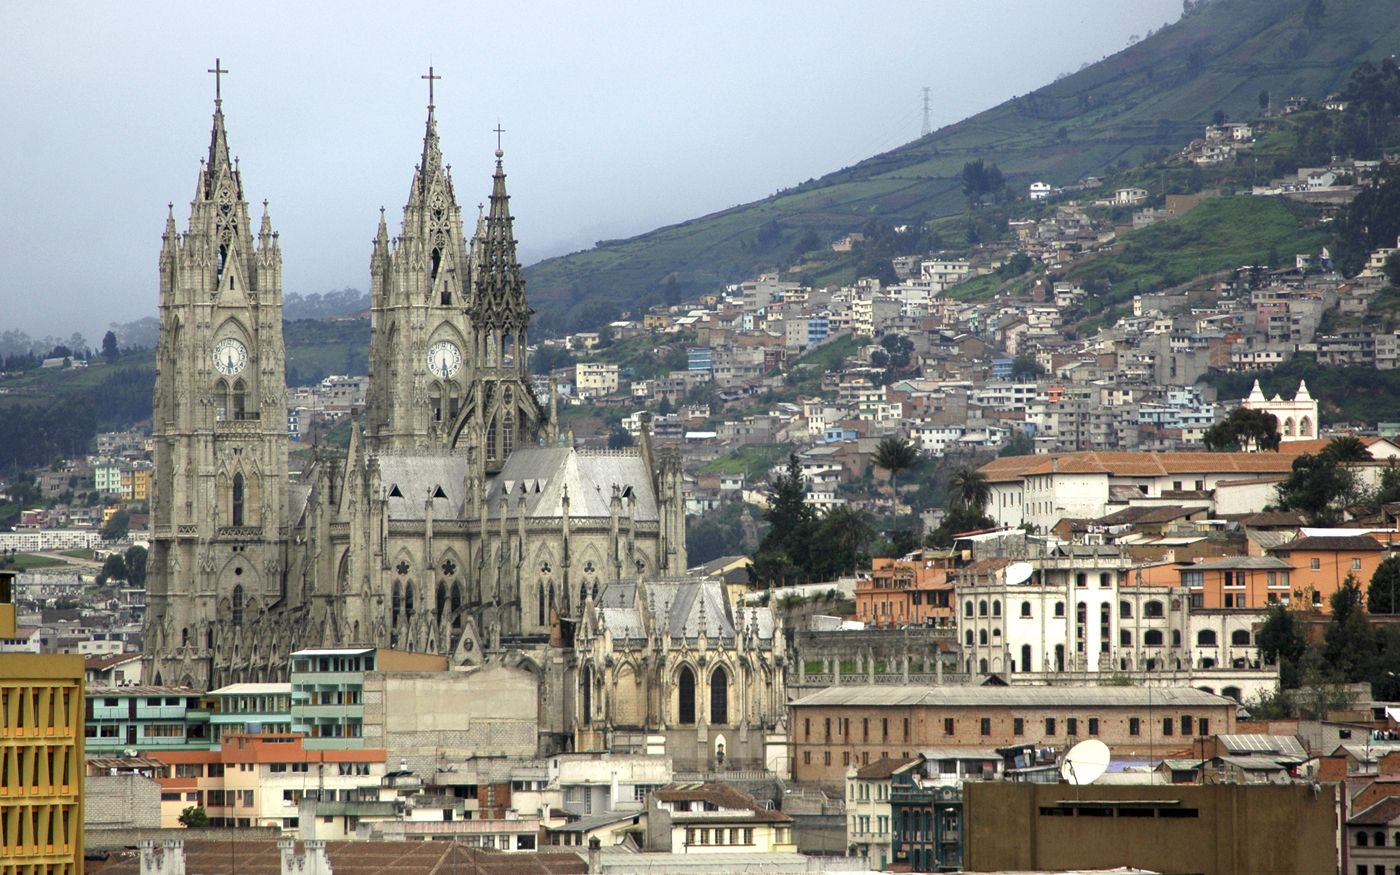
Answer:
(420, 343)
(219, 507)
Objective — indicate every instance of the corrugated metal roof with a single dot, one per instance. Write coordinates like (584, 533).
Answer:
(1286, 745)
(994, 697)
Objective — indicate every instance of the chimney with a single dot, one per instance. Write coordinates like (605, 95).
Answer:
(595, 855)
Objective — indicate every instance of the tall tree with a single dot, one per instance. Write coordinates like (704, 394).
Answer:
(845, 535)
(1349, 644)
(895, 454)
(109, 347)
(1383, 593)
(1281, 643)
(786, 548)
(970, 488)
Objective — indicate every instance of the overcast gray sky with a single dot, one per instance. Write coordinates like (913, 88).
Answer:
(619, 117)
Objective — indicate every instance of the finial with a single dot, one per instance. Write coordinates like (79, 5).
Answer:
(218, 72)
(431, 78)
(499, 130)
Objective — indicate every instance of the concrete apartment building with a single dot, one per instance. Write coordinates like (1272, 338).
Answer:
(41, 743)
(840, 727)
(259, 780)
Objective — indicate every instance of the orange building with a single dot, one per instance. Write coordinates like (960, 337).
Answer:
(260, 779)
(904, 592)
(1238, 582)
(1304, 572)
(1321, 564)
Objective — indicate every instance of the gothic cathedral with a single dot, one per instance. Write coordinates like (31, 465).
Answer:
(456, 522)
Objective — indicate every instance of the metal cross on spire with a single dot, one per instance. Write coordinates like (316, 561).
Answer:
(498, 131)
(431, 78)
(218, 72)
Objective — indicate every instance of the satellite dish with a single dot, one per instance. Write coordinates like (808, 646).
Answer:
(1085, 762)
(1019, 572)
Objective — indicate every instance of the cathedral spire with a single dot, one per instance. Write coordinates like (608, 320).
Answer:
(218, 167)
(500, 286)
(430, 168)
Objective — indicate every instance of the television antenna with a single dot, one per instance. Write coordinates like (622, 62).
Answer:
(1085, 763)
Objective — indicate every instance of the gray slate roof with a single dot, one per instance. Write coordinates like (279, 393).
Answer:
(546, 472)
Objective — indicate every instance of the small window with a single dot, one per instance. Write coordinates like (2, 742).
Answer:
(1205, 638)
(1093, 726)
(1315, 563)
(1018, 726)
(948, 726)
(1134, 726)
(1050, 726)
(1168, 726)
(985, 726)
(1025, 609)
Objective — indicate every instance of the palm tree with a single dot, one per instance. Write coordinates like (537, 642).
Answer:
(895, 454)
(1347, 449)
(971, 489)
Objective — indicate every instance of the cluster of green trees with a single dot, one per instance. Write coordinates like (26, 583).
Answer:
(803, 546)
(129, 567)
(1325, 486)
(1352, 650)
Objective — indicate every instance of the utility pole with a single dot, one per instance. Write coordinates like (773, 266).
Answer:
(928, 128)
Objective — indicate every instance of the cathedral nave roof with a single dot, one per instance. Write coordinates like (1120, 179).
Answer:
(589, 477)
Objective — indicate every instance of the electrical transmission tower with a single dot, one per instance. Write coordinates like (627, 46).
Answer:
(928, 128)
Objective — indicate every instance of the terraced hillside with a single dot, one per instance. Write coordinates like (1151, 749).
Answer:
(1153, 95)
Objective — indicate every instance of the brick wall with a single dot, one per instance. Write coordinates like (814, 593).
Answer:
(857, 736)
(121, 802)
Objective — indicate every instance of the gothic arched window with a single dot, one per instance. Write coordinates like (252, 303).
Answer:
(221, 399)
(236, 606)
(408, 601)
(441, 601)
(685, 696)
(236, 406)
(719, 697)
(456, 607)
(491, 440)
(395, 603)
(539, 607)
(1026, 658)
(435, 402)
(507, 435)
(237, 499)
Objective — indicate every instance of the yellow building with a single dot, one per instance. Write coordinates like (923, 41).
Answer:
(141, 484)
(41, 756)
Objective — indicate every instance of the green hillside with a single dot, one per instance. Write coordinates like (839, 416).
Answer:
(1154, 95)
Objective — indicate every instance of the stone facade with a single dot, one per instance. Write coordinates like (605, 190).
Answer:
(458, 524)
(672, 658)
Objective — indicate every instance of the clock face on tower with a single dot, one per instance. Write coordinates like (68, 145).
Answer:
(230, 355)
(444, 358)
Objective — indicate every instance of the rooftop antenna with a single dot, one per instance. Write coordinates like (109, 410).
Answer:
(928, 128)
